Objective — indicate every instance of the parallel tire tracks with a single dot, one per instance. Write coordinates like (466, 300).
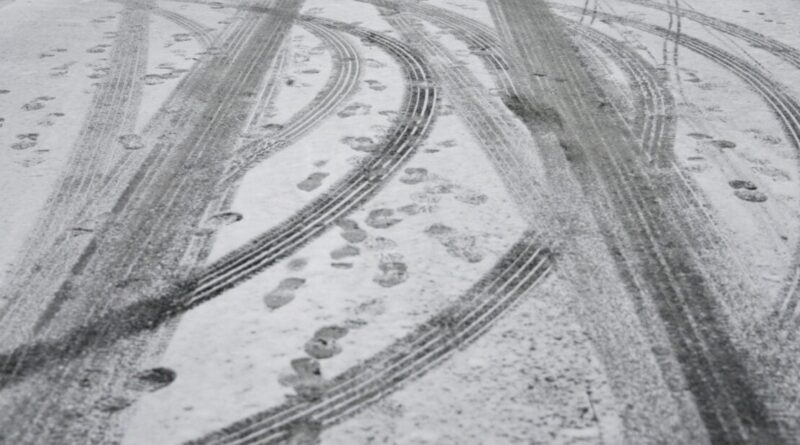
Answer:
(655, 120)
(112, 113)
(757, 40)
(197, 30)
(314, 219)
(341, 85)
(783, 105)
(344, 197)
(146, 233)
(653, 228)
(522, 267)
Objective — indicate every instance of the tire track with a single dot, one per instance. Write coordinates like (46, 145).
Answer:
(341, 85)
(341, 199)
(197, 30)
(655, 121)
(776, 96)
(758, 40)
(280, 242)
(145, 236)
(548, 197)
(526, 264)
(112, 113)
(602, 153)
(168, 127)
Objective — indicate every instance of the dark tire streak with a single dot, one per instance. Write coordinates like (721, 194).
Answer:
(145, 236)
(783, 105)
(601, 152)
(655, 121)
(314, 219)
(409, 358)
(112, 113)
(341, 199)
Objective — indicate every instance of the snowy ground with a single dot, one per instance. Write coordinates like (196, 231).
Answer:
(438, 224)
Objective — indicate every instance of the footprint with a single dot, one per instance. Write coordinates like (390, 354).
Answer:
(36, 104)
(131, 142)
(2, 91)
(224, 219)
(457, 245)
(182, 37)
(321, 348)
(304, 431)
(720, 143)
(297, 264)
(372, 63)
(342, 265)
(375, 85)
(380, 244)
(49, 120)
(284, 293)
(312, 182)
(373, 308)
(345, 252)
(354, 109)
(152, 379)
(411, 209)
(2, 121)
(351, 232)
(362, 143)
(750, 195)
(740, 184)
(381, 218)
(772, 172)
(414, 175)
(26, 141)
(23, 145)
(306, 378)
(331, 332)
(472, 198)
(391, 273)
(97, 49)
(323, 345)
(699, 136)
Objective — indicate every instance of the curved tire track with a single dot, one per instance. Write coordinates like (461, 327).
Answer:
(344, 197)
(783, 105)
(409, 358)
(654, 226)
(758, 40)
(197, 30)
(313, 220)
(341, 85)
(655, 120)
